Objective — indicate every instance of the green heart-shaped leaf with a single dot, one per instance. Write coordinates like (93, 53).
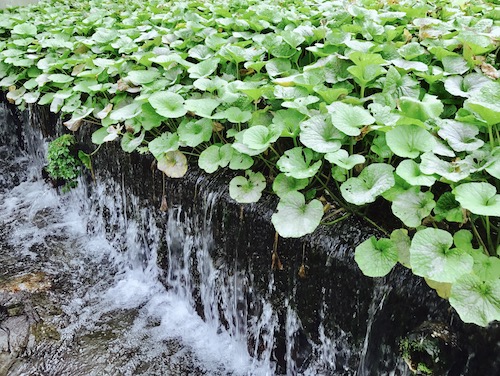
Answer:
(319, 134)
(374, 180)
(25, 29)
(129, 143)
(476, 301)
(294, 217)
(479, 198)
(142, 77)
(128, 111)
(409, 141)
(168, 104)
(260, 137)
(234, 115)
(60, 78)
(349, 119)
(465, 86)
(375, 257)
(460, 136)
(215, 156)
(431, 256)
(453, 171)
(148, 117)
(296, 163)
(430, 107)
(194, 133)
(247, 189)
(487, 268)
(240, 161)
(448, 208)
(486, 103)
(409, 170)
(288, 120)
(204, 69)
(284, 184)
(411, 207)
(202, 107)
(163, 144)
(401, 243)
(342, 159)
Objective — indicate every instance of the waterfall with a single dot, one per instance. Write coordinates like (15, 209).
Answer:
(99, 281)
(117, 311)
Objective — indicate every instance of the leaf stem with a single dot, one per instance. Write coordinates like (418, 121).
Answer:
(324, 186)
(478, 237)
(487, 226)
(376, 226)
(337, 220)
(492, 138)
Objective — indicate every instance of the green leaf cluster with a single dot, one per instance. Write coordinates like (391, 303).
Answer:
(63, 162)
(360, 103)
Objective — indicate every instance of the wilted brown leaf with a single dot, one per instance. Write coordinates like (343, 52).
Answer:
(302, 271)
(164, 204)
(490, 71)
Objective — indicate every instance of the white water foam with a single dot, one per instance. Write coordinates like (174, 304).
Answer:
(120, 314)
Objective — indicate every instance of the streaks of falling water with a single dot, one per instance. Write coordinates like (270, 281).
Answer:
(117, 313)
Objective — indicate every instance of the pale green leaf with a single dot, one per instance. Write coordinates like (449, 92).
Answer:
(409, 140)
(142, 77)
(173, 164)
(25, 29)
(129, 143)
(204, 69)
(465, 86)
(375, 257)
(163, 144)
(409, 170)
(374, 180)
(260, 137)
(431, 256)
(193, 133)
(460, 136)
(448, 208)
(349, 119)
(128, 111)
(453, 171)
(294, 217)
(479, 198)
(342, 159)
(430, 107)
(168, 104)
(247, 189)
(411, 207)
(202, 107)
(486, 103)
(476, 301)
(298, 163)
(319, 134)
(215, 156)
(284, 184)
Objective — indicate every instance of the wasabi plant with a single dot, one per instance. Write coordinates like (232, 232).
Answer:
(324, 103)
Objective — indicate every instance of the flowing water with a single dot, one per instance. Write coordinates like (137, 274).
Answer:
(104, 306)
(81, 292)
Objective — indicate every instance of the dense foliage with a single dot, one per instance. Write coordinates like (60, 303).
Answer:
(63, 163)
(395, 103)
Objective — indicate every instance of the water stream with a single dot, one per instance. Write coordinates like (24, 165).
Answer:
(108, 308)
(82, 292)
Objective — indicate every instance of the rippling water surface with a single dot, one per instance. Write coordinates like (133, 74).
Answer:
(89, 298)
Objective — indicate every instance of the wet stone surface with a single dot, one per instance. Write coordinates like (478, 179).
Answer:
(53, 320)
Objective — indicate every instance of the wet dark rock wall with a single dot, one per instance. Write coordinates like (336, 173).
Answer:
(364, 317)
